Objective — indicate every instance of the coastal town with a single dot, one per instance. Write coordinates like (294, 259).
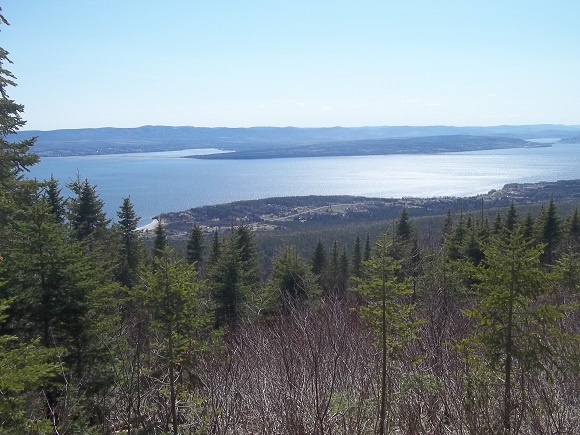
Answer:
(288, 212)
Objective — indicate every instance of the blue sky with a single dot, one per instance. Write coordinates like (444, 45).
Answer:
(311, 63)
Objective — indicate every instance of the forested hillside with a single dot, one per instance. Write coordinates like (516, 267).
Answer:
(270, 142)
(473, 331)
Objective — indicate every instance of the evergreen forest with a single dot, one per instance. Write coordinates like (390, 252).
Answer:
(104, 330)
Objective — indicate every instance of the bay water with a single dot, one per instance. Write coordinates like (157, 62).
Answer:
(165, 181)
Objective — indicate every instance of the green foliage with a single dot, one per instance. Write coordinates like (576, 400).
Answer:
(160, 240)
(180, 317)
(291, 281)
(357, 259)
(235, 277)
(515, 325)
(173, 295)
(512, 218)
(319, 261)
(195, 246)
(403, 228)
(386, 298)
(85, 211)
(130, 249)
(15, 157)
(455, 240)
(25, 367)
(55, 200)
(548, 232)
(388, 312)
(368, 250)
(215, 250)
(51, 280)
(343, 271)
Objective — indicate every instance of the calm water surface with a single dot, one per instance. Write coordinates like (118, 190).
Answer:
(163, 182)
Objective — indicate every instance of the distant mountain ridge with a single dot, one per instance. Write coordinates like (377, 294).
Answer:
(273, 140)
(370, 147)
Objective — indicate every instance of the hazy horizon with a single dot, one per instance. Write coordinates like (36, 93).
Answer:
(25, 129)
(306, 64)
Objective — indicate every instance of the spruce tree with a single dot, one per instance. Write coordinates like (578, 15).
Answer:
(331, 280)
(497, 224)
(85, 212)
(228, 287)
(235, 277)
(511, 218)
(195, 246)
(291, 281)
(25, 368)
(215, 251)
(403, 227)
(455, 240)
(173, 297)
(319, 259)
(447, 226)
(514, 323)
(387, 312)
(357, 259)
(15, 157)
(130, 255)
(55, 200)
(550, 233)
(248, 254)
(473, 248)
(160, 240)
(343, 271)
(573, 227)
(528, 226)
(368, 250)
(55, 285)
